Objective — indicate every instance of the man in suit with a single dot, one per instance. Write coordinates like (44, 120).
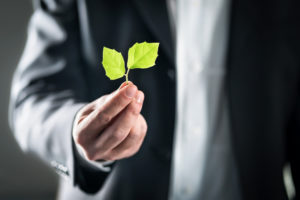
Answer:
(60, 74)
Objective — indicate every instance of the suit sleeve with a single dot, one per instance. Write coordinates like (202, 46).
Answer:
(49, 88)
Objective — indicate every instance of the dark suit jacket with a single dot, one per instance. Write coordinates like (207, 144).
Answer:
(60, 70)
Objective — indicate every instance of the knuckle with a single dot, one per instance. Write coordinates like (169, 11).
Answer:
(101, 150)
(79, 139)
(120, 100)
(127, 154)
(132, 152)
(115, 101)
(91, 155)
(109, 157)
(119, 135)
(137, 147)
(145, 128)
(103, 117)
(144, 124)
(123, 99)
(143, 134)
(133, 109)
(98, 103)
(135, 135)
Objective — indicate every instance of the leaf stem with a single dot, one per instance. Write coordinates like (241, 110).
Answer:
(126, 75)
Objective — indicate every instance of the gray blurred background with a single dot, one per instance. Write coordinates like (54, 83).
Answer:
(21, 176)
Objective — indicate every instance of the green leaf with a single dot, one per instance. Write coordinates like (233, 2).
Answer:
(113, 63)
(142, 55)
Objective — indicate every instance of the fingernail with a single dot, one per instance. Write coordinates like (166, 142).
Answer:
(130, 91)
(124, 84)
(139, 97)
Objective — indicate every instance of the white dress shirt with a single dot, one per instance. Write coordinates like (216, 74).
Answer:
(203, 163)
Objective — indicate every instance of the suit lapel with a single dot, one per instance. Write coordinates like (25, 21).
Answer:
(155, 14)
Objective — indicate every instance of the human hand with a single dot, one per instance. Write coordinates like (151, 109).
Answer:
(111, 127)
